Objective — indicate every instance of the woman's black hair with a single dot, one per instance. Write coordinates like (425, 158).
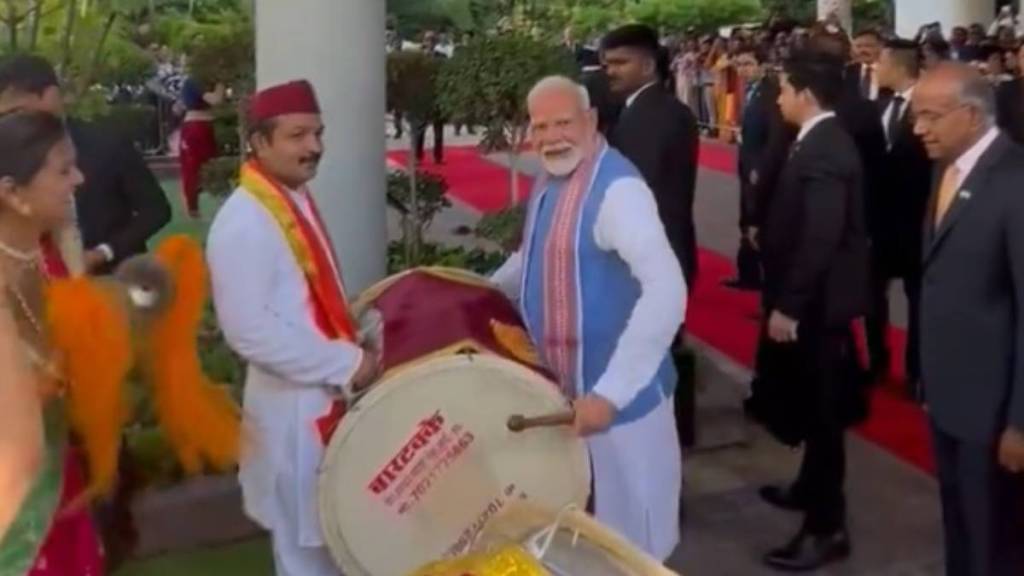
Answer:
(26, 139)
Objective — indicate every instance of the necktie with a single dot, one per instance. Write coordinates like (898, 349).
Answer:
(947, 191)
(894, 119)
(865, 87)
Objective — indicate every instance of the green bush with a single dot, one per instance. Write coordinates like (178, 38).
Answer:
(131, 121)
(431, 196)
(226, 130)
(411, 85)
(220, 176)
(676, 15)
(504, 228)
(475, 259)
(487, 81)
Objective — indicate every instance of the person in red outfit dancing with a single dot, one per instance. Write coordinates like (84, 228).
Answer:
(198, 143)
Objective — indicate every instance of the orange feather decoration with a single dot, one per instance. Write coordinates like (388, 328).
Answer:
(90, 332)
(201, 420)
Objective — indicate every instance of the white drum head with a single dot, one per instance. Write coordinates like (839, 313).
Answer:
(425, 459)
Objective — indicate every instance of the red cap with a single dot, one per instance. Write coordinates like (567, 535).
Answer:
(295, 97)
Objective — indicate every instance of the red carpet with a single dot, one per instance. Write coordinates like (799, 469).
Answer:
(472, 180)
(725, 319)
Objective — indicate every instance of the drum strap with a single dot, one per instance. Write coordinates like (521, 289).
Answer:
(330, 306)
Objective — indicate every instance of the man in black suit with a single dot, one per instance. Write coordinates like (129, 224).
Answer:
(760, 112)
(658, 133)
(862, 75)
(972, 321)
(436, 122)
(897, 209)
(121, 205)
(814, 248)
(1011, 103)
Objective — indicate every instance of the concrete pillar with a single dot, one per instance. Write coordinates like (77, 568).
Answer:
(912, 14)
(338, 45)
(842, 8)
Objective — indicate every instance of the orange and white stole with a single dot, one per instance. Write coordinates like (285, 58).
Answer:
(330, 306)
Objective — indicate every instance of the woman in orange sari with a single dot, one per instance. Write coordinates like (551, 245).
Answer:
(42, 534)
(728, 91)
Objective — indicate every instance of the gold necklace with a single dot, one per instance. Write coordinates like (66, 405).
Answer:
(35, 356)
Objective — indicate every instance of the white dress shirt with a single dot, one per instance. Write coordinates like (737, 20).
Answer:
(969, 159)
(873, 89)
(906, 95)
(810, 123)
(632, 97)
(628, 224)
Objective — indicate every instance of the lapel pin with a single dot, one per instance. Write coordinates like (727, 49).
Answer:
(965, 194)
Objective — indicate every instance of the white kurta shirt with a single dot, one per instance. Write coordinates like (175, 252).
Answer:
(264, 307)
(637, 466)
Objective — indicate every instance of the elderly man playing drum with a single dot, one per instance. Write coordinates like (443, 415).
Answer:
(603, 296)
(280, 301)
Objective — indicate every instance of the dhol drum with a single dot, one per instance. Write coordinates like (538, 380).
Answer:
(529, 540)
(420, 463)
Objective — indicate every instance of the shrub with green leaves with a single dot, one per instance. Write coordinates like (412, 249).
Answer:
(676, 15)
(504, 228)
(487, 82)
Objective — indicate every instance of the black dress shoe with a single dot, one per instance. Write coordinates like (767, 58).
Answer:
(781, 497)
(806, 551)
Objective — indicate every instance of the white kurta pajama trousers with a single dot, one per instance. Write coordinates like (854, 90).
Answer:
(638, 476)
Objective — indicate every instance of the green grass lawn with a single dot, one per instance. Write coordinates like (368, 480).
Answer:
(250, 558)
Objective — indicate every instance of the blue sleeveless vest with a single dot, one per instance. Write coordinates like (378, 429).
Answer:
(606, 291)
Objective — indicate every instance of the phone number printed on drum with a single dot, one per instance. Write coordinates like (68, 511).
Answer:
(407, 478)
(469, 535)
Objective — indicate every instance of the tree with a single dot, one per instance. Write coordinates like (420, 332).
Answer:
(676, 15)
(487, 81)
(411, 87)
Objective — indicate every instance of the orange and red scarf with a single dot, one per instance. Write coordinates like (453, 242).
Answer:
(330, 307)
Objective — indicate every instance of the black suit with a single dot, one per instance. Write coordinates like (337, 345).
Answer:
(895, 224)
(760, 115)
(658, 133)
(1011, 109)
(814, 248)
(120, 204)
(972, 360)
(601, 98)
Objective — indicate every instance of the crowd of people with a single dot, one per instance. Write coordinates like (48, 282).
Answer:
(862, 160)
(705, 70)
(859, 156)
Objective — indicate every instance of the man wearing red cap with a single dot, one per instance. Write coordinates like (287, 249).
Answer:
(281, 304)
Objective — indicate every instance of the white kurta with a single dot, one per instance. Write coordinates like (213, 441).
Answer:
(637, 466)
(264, 308)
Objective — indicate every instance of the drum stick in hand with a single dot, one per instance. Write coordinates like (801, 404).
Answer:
(520, 423)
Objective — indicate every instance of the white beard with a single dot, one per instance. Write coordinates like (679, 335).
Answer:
(561, 167)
